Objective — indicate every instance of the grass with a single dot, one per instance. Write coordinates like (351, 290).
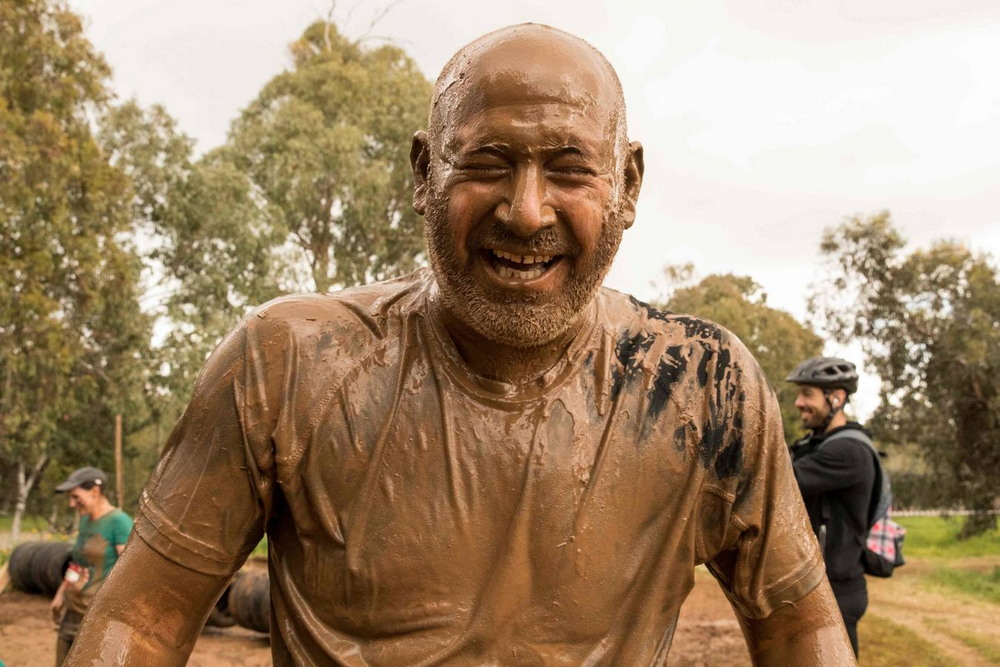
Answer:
(986, 647)
(29, 524)
(883, 643)
(260, 551)
(984, 585)
(935, 537)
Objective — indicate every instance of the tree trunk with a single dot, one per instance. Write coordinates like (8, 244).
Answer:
(25, 482)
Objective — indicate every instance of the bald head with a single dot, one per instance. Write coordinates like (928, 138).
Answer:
(523, 61)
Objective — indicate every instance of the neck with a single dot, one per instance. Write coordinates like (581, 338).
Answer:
(100, 509)
(839, 419)
(507, 363)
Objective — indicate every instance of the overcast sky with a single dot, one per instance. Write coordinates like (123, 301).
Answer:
(764, 121)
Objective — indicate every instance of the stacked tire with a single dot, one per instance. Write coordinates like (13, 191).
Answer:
(39, 567)
(249, 600)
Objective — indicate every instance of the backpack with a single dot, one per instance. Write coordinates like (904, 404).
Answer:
(883, 548)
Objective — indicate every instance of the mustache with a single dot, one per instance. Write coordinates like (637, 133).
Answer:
(546, 241)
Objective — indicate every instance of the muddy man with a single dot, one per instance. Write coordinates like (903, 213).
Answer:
(495, 461)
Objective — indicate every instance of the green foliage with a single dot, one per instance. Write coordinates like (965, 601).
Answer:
(774, 337)
(214, 244)
(929, 322)
(326, 144)
(311, 191)
(72, 336)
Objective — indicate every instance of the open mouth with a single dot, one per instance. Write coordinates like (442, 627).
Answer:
(520, 267)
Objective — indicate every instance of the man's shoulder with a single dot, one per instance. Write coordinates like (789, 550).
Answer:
(629, 312)
(628, 315)
(354, 314)
(851, 441)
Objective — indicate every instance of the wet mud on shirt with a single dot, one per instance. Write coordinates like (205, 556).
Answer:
(96, 549)
(418, 514)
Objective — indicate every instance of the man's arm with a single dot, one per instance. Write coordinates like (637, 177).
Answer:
(807, 632)
(150, 611)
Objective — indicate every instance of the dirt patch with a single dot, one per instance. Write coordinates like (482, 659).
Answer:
(707, 631)
(941, 619)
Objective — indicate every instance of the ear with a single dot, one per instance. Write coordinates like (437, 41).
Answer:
(420, 162)
(634, 168)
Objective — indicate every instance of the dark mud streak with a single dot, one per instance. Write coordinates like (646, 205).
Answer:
(721, 445)
(703, 367)
(672, 367)
(668, 372)
(729, 462)
(697, 328)
(627, 350)
(652, 313)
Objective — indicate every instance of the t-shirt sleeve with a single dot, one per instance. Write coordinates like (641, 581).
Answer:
(122, 528)
(762, 549)
(206, 505)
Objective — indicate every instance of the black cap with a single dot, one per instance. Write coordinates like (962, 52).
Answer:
(81, 476)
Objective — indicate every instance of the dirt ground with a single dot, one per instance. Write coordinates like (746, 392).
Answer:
(707, 634)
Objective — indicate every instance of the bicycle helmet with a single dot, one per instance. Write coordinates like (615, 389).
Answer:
(826, 373)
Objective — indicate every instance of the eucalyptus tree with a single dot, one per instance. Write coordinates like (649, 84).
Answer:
(326, 144)
(929, 322)
(71, 332)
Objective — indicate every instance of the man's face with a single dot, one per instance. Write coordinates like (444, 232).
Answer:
(82, 500)
(812, 406)
(524, 207)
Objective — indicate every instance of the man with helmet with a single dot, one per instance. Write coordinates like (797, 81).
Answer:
(835, 470)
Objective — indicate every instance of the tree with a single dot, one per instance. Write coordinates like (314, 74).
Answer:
(774, 337)
(326, 144)
(929, 322)
(212, 245)
(71, 332)
(311, 192)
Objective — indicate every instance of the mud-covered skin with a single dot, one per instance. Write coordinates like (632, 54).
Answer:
(420, 514)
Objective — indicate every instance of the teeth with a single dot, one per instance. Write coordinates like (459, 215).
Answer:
(507, 272)
(523, 259)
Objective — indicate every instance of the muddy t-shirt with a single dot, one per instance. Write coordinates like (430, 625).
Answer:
(96, 549)
(419, 514)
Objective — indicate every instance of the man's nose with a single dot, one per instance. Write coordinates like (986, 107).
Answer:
(527, 209)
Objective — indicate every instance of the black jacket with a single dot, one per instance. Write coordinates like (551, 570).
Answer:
(843, 472)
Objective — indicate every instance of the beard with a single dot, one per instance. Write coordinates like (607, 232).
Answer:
(508, 317)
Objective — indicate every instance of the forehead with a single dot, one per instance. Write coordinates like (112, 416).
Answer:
(554, 86)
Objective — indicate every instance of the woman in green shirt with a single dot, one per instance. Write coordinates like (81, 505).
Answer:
(104, 530)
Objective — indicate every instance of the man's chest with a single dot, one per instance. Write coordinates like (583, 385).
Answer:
(429, 494)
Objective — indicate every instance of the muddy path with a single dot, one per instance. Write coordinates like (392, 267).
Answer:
(940, 619)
